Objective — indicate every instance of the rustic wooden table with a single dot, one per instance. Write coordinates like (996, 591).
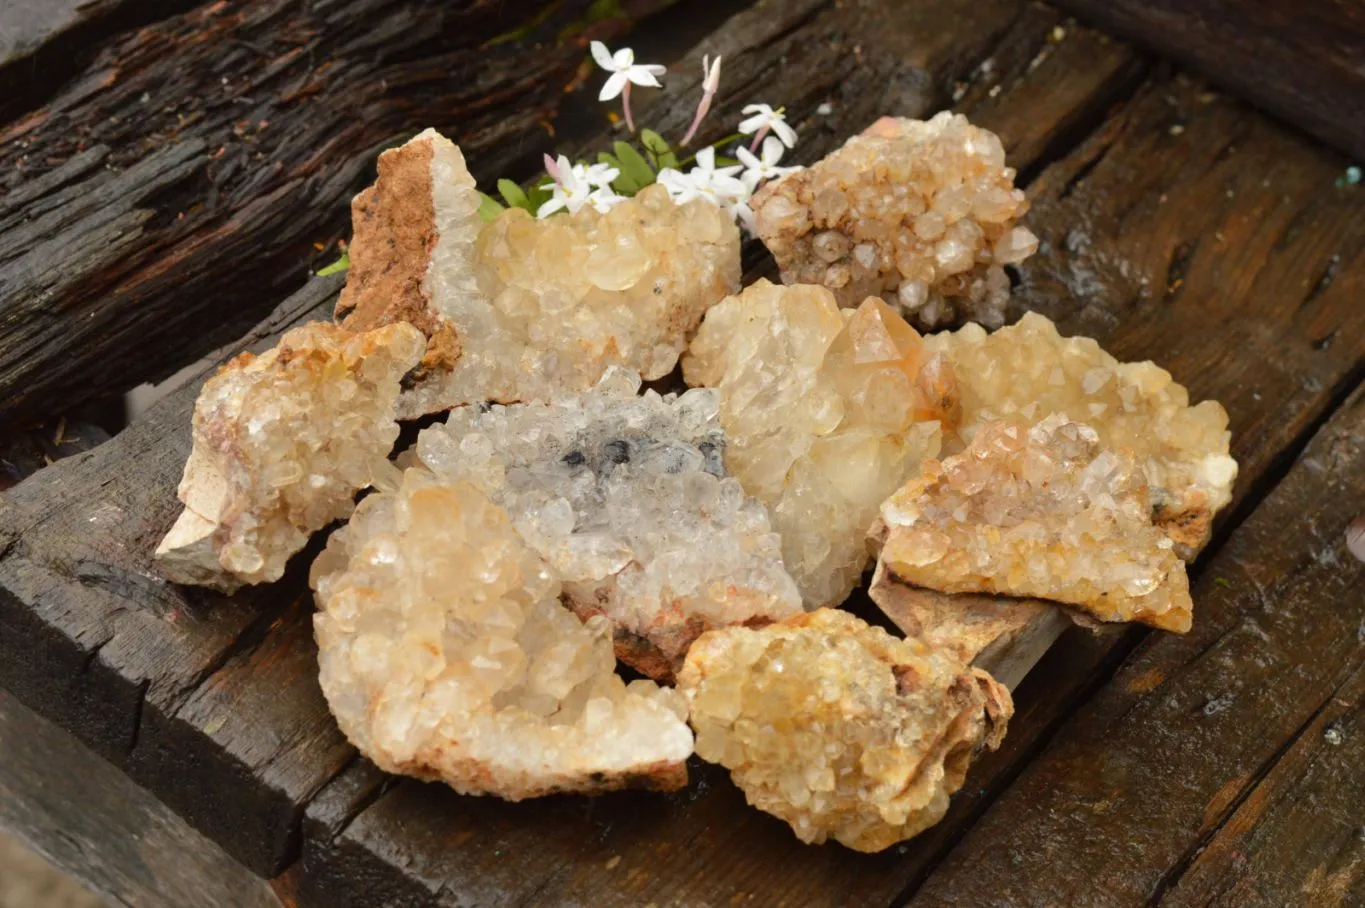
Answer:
(167, 167)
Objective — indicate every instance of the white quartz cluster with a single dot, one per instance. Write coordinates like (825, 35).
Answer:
(628, 499)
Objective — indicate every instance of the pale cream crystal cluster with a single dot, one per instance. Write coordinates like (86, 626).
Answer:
(826, 411)
(627, 498)
(1045, 512)
(1028, 371)
(445, 654)
(282, 443)
(920, 213)
(525, 309)
(837, 727)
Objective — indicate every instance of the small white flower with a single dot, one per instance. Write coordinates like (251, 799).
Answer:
(598, 175)
(679, 185)
(604, 199)
(623, 69)
(574, 184)
(765, 119)
(756, 170)
(718, 184)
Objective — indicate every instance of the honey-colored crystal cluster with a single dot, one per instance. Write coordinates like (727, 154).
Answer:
(1044, 512)
(525, 309)
(920, 213)
(838, 728)
(826, 412)
(445, 654)
(282, 443)
(1027, 371)
(628, 499)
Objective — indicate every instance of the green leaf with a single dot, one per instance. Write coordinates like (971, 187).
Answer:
(658, 148)
(489, 207)
(723, 161)
(512, 194)
(604, 158)
(538, 195)
(636, 173)
(338, 266)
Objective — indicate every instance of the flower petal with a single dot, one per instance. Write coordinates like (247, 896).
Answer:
(623, 58)
(550, 207)
(784, 132)
(753, 124)
(602, 56)
(642, 76)
(706, 158)
(746, 157)
(615, 84)
(763, 109)
(772, 147)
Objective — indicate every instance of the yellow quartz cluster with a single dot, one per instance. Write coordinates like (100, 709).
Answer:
(837, 727)
(282, 443)
(826, 412)
(445, 654)
(1044, 512)
(1027, 372)
(920, 213)
(525, 309)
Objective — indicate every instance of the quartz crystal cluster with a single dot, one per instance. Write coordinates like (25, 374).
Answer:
(1043, 512)
(282, 443)
(445, 654)
(826, 412)
(837, 727)
(920, 213)
(1026, 372)
(472, 612)
(628, 499)
(526, 309)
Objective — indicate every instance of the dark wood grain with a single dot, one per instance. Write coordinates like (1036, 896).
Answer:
(45, 42)
(93, 639)
(1184, 734)
(214, 149)
(1303, 60)
(89, 819)
(28, 452)
(1298, 836)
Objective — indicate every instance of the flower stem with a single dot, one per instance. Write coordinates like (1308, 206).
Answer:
(625, 106)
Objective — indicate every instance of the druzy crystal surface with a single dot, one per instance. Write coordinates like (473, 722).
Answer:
(445, 654)
(1045, 512)
(826, 411)
(838, 728)
(628, 499)
(282, 443)
(920, 213)
(1027, 371)
(525, 309)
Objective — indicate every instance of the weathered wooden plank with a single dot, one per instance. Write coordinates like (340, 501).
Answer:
(1304, 60)
(706, 847)
(214, 149)
(28, 452)
(1161, 757)
(92, 821)
(1297, 836)
(42, 42)
(92, 638)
